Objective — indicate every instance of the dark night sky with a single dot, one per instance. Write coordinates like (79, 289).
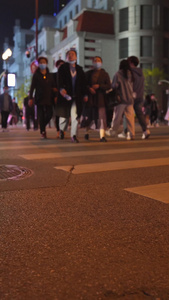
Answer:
(22, 10)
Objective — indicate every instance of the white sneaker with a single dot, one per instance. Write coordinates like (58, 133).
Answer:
(110, 132)
(128, 136)
(146, 134)
(121, 135)
(107, 132)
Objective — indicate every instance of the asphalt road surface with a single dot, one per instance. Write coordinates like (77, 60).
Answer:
(87, 221)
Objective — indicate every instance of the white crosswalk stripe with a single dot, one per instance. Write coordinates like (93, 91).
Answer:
(155, 191)
(112, 166)
(92, 153)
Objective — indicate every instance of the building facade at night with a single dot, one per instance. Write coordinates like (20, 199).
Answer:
(112, 29)
(142, 29)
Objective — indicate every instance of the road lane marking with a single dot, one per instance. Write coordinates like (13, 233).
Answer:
(93, 152)
(66, 143)
(18, 147)
(158, 192)
(114, 166)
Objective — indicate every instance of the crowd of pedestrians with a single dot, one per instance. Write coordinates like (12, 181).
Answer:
(79, 99)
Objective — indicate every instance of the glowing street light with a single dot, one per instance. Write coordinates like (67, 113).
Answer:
(7, 54)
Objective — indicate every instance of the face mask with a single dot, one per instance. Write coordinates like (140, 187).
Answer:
(42, 66)
(72, 62)
(97, 65)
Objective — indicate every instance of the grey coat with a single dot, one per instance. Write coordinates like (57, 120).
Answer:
(125, 87)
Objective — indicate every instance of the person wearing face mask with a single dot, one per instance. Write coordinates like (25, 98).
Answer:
(72, 93)
(6, 107)
(98, 81)
(44, 86)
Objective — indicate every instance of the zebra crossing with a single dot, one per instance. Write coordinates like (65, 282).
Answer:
(31, 149)
(57, 151)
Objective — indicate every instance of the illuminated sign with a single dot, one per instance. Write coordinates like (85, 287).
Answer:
(11, 80)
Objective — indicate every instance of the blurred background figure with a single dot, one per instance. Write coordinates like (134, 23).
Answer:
(59, 62)
(147, 109)
(151, 110)
(14, 114)
(6, 107)
(29, 114)
(154, 111)
(166, 117)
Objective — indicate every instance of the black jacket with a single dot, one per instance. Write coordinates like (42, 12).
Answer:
(2, 102)
(43, 86)
(65, 82)
(98, 99)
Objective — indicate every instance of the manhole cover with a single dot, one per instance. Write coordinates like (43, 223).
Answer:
(11, 172)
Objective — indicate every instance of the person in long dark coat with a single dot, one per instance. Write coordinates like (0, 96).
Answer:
(98, 82)
(44, 86)
(72, 93)
(6, 107)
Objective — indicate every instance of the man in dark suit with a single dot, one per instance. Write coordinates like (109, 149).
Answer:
(72, 93)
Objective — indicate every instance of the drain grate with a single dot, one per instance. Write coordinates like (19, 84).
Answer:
(12, 172)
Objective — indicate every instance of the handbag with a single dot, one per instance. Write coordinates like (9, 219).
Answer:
(113, 98)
